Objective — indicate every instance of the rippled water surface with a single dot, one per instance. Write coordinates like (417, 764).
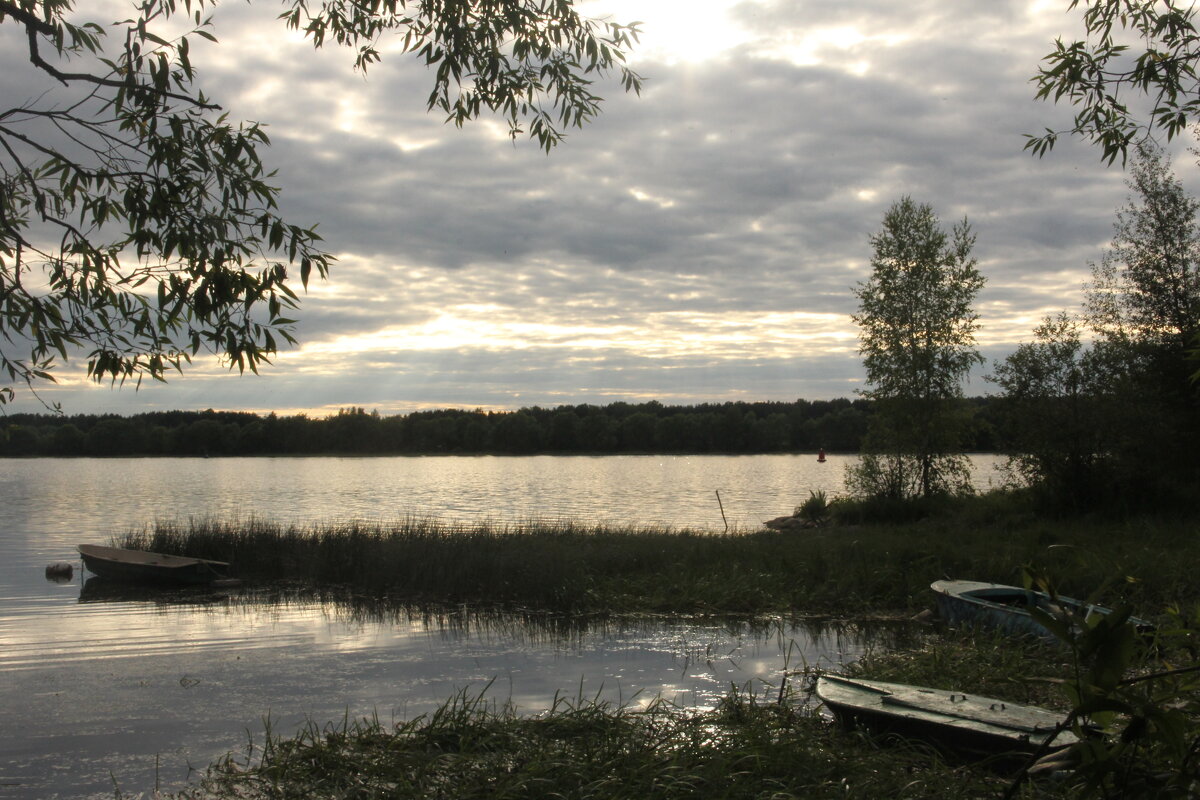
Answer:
(97, 686)
(140, 691)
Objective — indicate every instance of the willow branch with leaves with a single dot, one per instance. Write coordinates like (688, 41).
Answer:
(139, 225)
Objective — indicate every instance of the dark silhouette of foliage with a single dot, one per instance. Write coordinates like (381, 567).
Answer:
(140, 225)
(1116, 421)
(766, 427)
(1132, 74)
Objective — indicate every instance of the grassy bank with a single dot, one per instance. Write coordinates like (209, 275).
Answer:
(468, 749)
(841, 570)
(748, 746)
(773, 745)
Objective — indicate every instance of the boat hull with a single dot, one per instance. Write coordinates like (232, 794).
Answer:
(1006, 608)
(967, 724)
(139, 566)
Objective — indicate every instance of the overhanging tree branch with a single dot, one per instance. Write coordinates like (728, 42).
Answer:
(1149, 48)
(25, 18)
(169, 239)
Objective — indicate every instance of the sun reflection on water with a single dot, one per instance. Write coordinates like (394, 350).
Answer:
(155, 683)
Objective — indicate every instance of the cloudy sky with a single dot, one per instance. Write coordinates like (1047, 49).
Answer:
(698, 243)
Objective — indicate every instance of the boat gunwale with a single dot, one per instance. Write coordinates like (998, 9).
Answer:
(999, 734)
(144, 558)
(978, 594)
(144, 566)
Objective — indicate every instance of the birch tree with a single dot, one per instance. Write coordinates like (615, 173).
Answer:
(917, 338)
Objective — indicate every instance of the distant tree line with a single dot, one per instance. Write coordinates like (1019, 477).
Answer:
(766, 427)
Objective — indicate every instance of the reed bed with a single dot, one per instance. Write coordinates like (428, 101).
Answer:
(982, 662)
(744, 748)
(840, 570)
(770, 746)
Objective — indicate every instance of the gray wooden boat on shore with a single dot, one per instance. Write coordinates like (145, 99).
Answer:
(140, 566)
(1006, 608)
(967, 724)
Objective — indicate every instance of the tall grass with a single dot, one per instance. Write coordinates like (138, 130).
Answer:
(842, 570)
(745, 748)
(983, 662)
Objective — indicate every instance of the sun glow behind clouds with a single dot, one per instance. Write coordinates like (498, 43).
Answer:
(646, 197)
(835, 47)
(664, 334)
(674, 32)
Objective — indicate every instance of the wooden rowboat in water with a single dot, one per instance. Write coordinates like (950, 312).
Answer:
(981, 726)
(1006, 608)
(116, 563)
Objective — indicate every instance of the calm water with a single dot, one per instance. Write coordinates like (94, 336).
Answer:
(139, 688)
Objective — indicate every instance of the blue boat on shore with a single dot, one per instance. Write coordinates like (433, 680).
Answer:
(1006, 608)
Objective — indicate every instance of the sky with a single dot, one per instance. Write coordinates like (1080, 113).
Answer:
(699, 243)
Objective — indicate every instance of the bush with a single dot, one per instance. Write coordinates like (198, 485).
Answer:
(816, 509)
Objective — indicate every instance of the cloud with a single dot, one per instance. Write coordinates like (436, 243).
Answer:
(698, 243)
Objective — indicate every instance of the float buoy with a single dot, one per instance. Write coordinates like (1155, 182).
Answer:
(60, 571)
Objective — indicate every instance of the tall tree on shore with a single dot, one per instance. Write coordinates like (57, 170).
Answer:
(1134, 73)
(1146, 289)
(1085, 419)
(1057, 415)
(139, 225)
(1143, 305)
(917, 340)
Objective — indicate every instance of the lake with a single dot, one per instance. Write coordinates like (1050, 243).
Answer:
(136, 688)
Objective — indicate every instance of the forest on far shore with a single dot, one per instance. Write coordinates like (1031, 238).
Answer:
(735, 428)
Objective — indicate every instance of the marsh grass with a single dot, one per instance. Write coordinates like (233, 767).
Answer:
(746, 747)
(469, 748)
(981, 662)
(844, 570)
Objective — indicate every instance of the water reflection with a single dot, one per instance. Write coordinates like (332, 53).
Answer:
(60, 572)
(100, 681)
(344, 607)
(145, 682)
(96, 589)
